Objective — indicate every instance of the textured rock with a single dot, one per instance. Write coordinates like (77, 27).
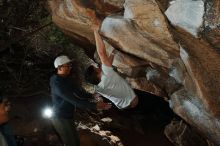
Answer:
(144, 85)
(125, 61)
(212, 23)
(179, 66)
(197, 102)
(66, 14)
(101, 7)
(118, 3)
(187, 14)
(152, 40)
(190, 110)
(202, 65)
(183, 135)
(163, 4)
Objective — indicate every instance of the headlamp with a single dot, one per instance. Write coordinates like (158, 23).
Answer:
(47, 112)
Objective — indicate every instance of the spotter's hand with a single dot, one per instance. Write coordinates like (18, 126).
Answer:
(103, 105)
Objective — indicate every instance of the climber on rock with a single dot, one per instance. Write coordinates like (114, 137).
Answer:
(107, 82)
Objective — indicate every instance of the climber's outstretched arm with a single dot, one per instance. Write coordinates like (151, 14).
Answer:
(100, 46)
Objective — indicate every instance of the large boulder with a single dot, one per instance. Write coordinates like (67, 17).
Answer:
(162, 55)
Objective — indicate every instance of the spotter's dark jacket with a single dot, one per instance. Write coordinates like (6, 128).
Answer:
(66, 96)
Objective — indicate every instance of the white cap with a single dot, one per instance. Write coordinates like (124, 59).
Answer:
(60, 60)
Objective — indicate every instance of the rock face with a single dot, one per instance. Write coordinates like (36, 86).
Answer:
(211, 23)
(186, 14)
(181, 134)
(178, 60)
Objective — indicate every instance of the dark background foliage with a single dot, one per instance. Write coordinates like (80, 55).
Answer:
(29, 42)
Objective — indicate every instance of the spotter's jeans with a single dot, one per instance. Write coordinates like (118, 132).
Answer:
(67, 131)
